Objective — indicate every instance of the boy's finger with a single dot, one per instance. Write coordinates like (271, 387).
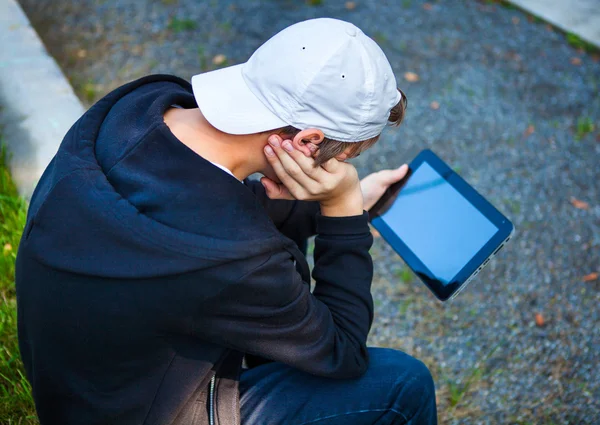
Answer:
(392, 176)
(295, 163)
(275, 190)
(275, 162)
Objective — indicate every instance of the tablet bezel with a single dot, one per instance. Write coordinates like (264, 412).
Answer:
(504, 225)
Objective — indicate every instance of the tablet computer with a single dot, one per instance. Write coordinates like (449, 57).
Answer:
(443, 229)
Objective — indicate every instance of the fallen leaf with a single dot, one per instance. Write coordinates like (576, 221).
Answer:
(427, 6)
(512, 55)
(515, 20)
(539, 319)
(590, 277)
(434, 105)
(580, 204)
(219, 59)
(350, 5)
(549, 28)
(411, 77)
(375, 233)
(576, 61)
(529, 131)
(82, 53)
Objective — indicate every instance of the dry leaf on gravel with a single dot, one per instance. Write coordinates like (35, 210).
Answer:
(219, 59)
(580, 204)
(576, 61)
(411, 77)
(434, 105)
(539, 319)
(350, 5)
(529, 131)
(427, 6)
(590, 277)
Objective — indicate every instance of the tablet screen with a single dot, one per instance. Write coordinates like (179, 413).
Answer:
(437, 223)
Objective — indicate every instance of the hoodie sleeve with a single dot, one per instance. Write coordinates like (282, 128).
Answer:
(270, 312)
(295, 219)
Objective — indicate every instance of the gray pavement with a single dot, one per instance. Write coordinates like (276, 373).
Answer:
(580, 17)
(38, 104)
(518, 117)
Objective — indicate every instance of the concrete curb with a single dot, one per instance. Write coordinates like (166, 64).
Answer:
(38, 105)
(580, 17)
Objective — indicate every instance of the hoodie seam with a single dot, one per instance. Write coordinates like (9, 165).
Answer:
(133, 148)
(165, 245)
(158, 388)
(34, 217)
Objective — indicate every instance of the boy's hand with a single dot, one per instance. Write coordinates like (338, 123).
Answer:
(374, 185)
(334, 184)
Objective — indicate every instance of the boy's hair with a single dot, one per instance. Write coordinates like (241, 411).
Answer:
(330, 148)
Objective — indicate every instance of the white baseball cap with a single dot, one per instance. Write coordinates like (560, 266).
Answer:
(321, 73)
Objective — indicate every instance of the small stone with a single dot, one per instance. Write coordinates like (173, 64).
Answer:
(82, 53)
(219, 59)
(411, 77)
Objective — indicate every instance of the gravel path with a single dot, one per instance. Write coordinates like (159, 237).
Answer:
(515, 101)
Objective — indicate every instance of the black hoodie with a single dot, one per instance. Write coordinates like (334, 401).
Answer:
(145, 273)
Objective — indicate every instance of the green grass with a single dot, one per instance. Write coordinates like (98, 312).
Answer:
(578, 43)
(404, 274)
(177, 25)
(16, 404)
(89, 91)
(456, 390)
(202, 58)
(584, 126)
(379, 37)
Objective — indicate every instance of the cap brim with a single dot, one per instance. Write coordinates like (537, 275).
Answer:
(228, 104)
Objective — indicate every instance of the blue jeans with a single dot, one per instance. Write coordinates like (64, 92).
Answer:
(396, 389)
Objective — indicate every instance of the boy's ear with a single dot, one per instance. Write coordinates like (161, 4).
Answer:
(307, 141)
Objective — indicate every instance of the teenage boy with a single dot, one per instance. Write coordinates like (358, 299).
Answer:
(157, 284)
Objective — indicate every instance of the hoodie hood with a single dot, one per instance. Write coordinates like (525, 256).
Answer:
(124, 198)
